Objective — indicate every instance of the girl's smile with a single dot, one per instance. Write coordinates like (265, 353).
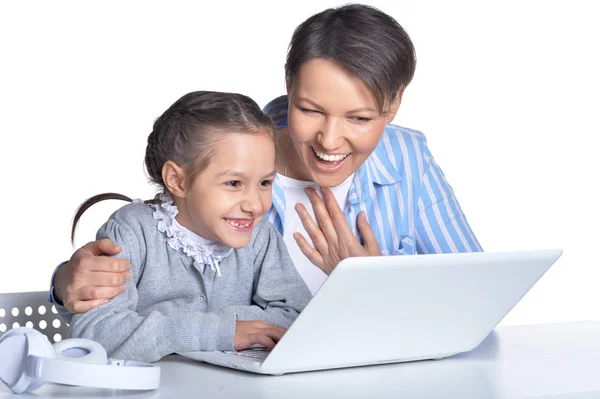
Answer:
(241, 225)
(226, 200)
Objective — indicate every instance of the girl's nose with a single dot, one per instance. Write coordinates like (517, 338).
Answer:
(252, 204)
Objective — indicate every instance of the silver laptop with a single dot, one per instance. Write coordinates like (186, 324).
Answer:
(392, 309)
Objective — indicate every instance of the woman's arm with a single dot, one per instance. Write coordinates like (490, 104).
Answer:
(88, 279)
(441, 226)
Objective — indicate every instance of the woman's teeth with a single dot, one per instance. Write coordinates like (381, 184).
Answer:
(330, 158)
(236, 224)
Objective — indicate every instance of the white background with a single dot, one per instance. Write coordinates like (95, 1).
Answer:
(507, 94)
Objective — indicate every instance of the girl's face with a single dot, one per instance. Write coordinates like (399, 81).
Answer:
(334, 122)
(228, 199)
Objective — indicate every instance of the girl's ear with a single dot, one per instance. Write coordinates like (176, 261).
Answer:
(394, 106)
(175, 179)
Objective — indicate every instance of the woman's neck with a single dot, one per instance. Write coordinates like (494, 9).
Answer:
(288, 162)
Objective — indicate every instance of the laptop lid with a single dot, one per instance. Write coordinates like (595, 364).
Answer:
(399, 308)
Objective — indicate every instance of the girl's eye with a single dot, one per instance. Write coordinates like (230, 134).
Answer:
(233, 183)
(266, 183)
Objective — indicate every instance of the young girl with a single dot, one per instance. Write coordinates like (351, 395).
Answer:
(207, 273)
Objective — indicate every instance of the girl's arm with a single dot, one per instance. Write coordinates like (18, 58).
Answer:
(126, 334)
(279, 293)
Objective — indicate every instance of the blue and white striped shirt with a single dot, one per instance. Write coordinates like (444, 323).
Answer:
(408, 202)
(406, 198)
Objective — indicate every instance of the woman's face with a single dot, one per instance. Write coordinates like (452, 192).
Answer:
(334, 122)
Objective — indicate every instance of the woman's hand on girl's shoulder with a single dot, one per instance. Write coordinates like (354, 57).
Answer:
(331, 235)
(88, 279)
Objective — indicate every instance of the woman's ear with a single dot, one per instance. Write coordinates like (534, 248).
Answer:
(175, 179)
(394, 106)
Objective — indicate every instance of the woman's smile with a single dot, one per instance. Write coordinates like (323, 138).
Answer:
(333, 122)
(330, 162)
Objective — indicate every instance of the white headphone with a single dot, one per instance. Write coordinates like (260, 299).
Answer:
(28, 359)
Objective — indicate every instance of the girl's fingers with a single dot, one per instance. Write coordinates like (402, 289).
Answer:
(263, 340)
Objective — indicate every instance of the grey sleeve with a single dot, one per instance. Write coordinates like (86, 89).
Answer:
(280, 293)
(60, 308)
(125, 334)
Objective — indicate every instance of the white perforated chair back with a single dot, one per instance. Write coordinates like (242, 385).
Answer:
(31, 309)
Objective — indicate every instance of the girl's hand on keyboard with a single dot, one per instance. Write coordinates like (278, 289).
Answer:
(248, 333)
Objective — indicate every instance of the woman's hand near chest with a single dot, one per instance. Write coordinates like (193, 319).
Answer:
(331, 234)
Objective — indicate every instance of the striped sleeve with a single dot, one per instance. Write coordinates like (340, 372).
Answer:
(441, 226)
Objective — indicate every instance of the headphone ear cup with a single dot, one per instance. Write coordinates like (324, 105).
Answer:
(81, 350)
(39, 345)
(16, 346)
(13, 360)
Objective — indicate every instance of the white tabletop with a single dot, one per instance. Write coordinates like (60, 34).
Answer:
(546, 360)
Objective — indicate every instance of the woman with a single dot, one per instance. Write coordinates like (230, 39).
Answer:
(382, 191)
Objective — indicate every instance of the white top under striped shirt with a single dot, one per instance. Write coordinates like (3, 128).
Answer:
(294, 193)
(407, 201)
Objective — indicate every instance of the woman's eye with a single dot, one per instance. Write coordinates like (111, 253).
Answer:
(309, 111)
(360, 119)
(233, 183)
(266, 183)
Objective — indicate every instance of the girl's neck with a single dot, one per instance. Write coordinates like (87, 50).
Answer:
(182, 220)
(193, 236)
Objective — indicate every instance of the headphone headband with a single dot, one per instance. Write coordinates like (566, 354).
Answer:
(118, 375)
(29, 359)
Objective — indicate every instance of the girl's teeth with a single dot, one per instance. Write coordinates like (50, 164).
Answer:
(330, 158)
(238, 224)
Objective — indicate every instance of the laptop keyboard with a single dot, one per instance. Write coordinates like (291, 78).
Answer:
(254, 353)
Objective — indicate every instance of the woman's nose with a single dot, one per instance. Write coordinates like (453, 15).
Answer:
(331, 135)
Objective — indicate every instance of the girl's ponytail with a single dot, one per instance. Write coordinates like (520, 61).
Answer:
(91, 201)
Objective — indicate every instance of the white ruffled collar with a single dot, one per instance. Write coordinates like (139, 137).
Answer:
(203, 251)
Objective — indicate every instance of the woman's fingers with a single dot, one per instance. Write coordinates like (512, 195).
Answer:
(77, 306)
(312, 254)
(90, 296)
(323, 213)
(336, 215)
(88, 262)
(93, 292)
(314, 231)
(88, 276)
(366, 232)
(109, 279)
(102, 247)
